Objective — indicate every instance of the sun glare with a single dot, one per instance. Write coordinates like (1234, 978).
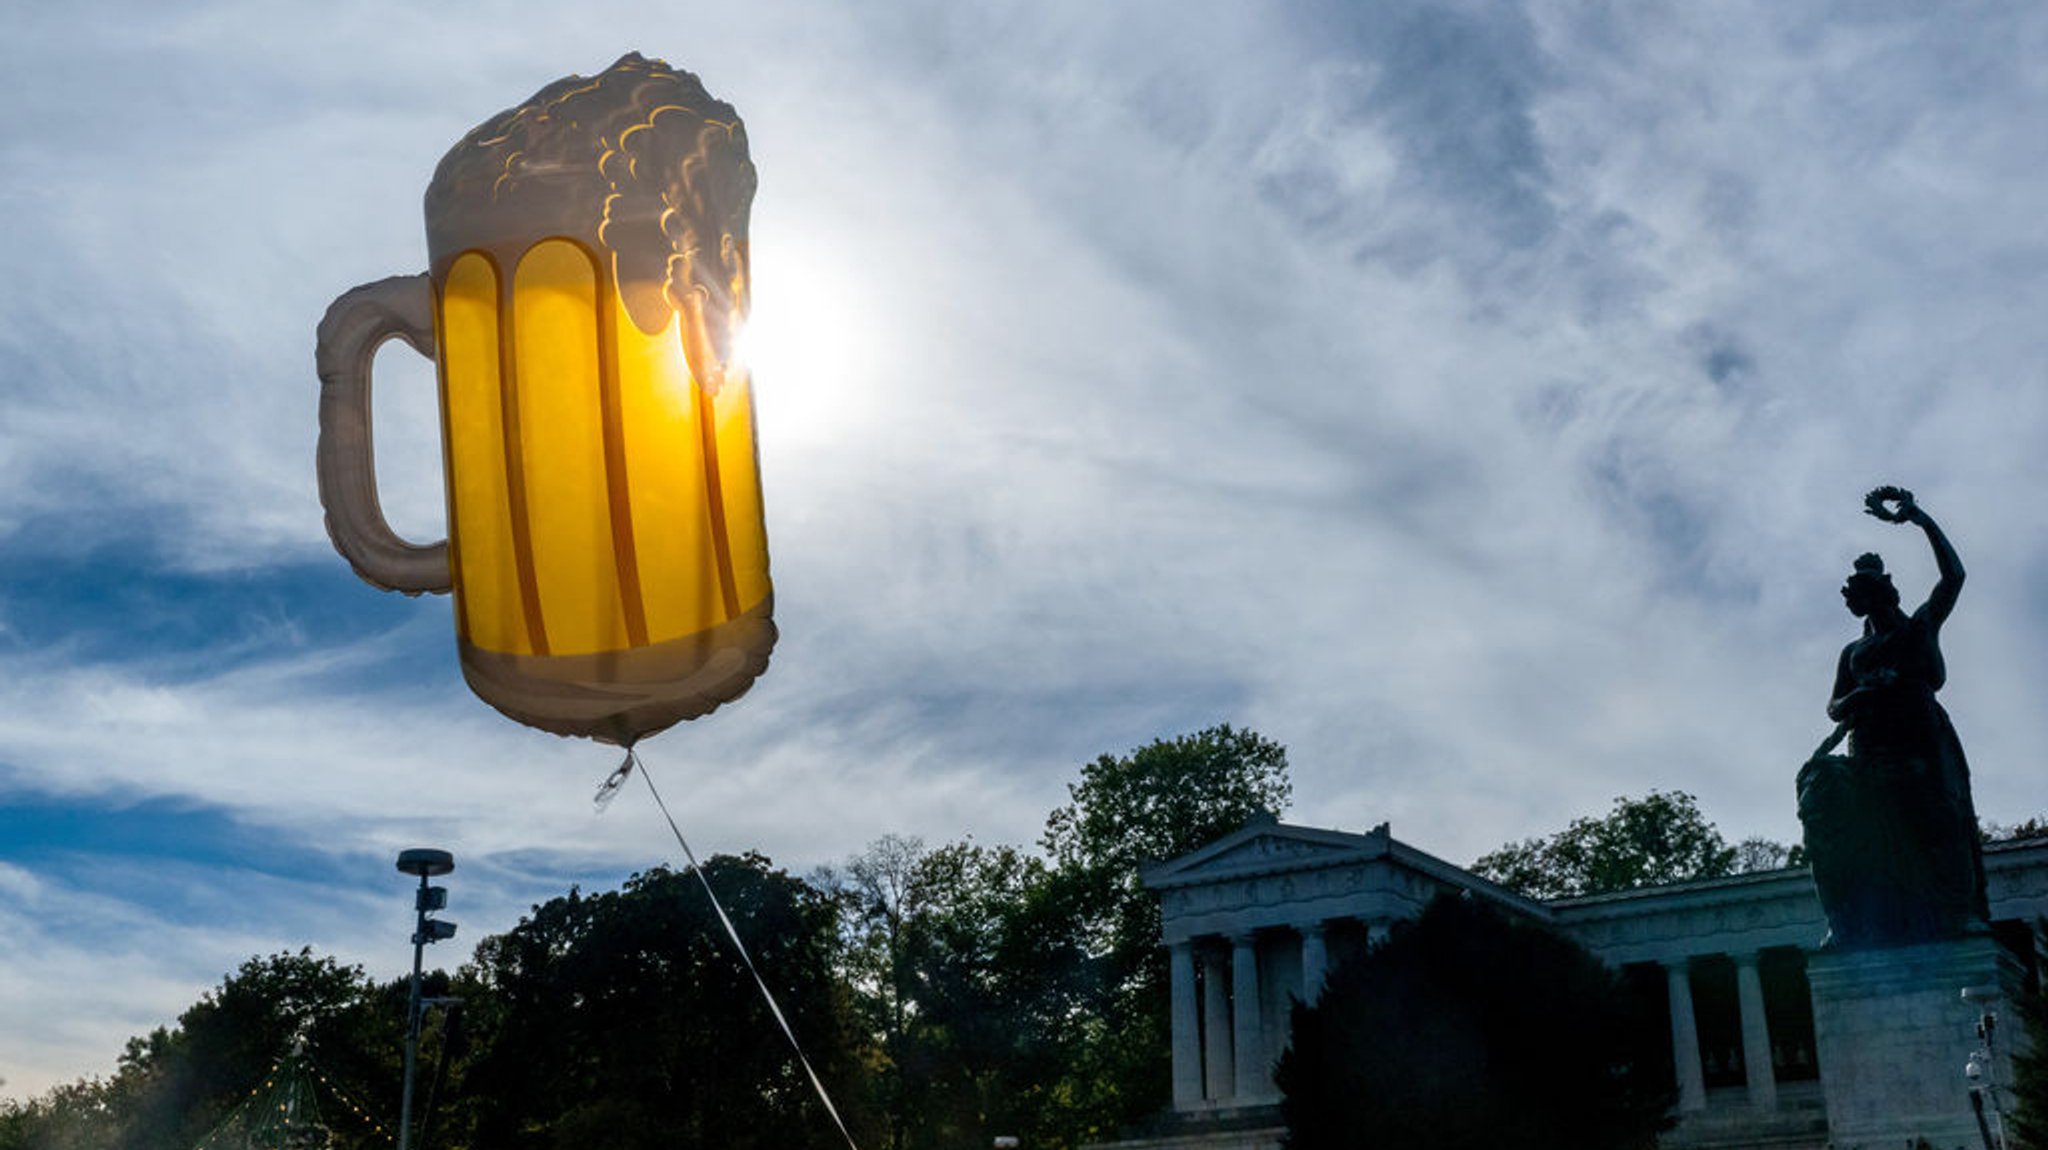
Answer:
(808, 341)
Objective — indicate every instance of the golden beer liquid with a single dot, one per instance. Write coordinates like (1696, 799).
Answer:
(599, 499)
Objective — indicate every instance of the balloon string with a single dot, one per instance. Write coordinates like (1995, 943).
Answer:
(605, 793)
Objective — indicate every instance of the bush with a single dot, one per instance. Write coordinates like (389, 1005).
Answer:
(1466, 1029)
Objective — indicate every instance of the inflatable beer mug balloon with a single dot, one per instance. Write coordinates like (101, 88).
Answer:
(587, 280)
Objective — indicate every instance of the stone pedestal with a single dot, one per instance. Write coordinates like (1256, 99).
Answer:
(1893, 1033)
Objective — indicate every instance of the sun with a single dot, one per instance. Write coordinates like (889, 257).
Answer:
(808, 343)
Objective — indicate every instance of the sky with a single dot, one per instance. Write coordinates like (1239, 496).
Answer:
(1475, 396)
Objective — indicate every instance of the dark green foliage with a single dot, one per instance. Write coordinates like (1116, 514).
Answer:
(2033, 828)
(225, 1043)
(624, 1020)
(967, 987)
(618, 1020)
(1009, 996)
(2030, 1068)
(1468, 1030)
(176, 1084)
(946, 996)
(1659, 838)
(1167, 798)
(74, 1116)
(1160, 801)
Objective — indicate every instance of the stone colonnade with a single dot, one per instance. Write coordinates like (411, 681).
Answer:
(1231, 998)
(1753, 1051)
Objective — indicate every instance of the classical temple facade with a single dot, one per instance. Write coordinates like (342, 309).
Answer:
(1255, 920)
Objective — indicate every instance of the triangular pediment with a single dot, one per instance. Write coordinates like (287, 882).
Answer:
(1264, 847)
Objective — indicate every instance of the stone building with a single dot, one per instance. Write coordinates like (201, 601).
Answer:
(1252, 919)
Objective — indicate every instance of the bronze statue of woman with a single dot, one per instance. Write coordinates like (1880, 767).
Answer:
(1890, 828)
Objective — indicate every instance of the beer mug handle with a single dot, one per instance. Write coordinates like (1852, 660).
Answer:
(355, 326)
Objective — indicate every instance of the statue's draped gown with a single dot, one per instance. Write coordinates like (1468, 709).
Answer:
(1890, 827)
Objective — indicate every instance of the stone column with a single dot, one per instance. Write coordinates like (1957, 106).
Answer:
(1245, 1023)
(1315, 961)
(1218, 1082)
(1756, 1034)
(1685, 1038)
(1187, 1026)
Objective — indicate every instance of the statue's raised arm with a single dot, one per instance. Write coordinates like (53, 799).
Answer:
(1896, 505)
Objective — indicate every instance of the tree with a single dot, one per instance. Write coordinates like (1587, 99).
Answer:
(1659, 838)
(1756, 854)
(1167, 798)
(1161, 800)
(226, 1042)
(175, 1084)
(1017, 996)
(1467, 1029)
(73, 1116)
(967, 982)
(882, 896)
(624, 1020)
(2033, 828)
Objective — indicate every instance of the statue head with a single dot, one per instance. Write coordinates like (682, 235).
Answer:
(1868, 589)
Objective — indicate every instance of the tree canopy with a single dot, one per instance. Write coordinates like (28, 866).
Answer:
(946, 995)
(1027, 996)
(174, 1085)
(1661, 837)
(1161, 800)
(622, 1020)
(1167, 798)
(964, 988)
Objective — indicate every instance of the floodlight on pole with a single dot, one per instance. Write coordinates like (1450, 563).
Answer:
(426, 862)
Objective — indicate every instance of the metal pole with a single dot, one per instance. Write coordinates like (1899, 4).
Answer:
(1983, 1127)
(1987, 1028)
(412, 1015)
(425, 862)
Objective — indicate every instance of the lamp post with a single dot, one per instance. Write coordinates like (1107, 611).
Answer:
(425, 862)
(1982, 1068)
